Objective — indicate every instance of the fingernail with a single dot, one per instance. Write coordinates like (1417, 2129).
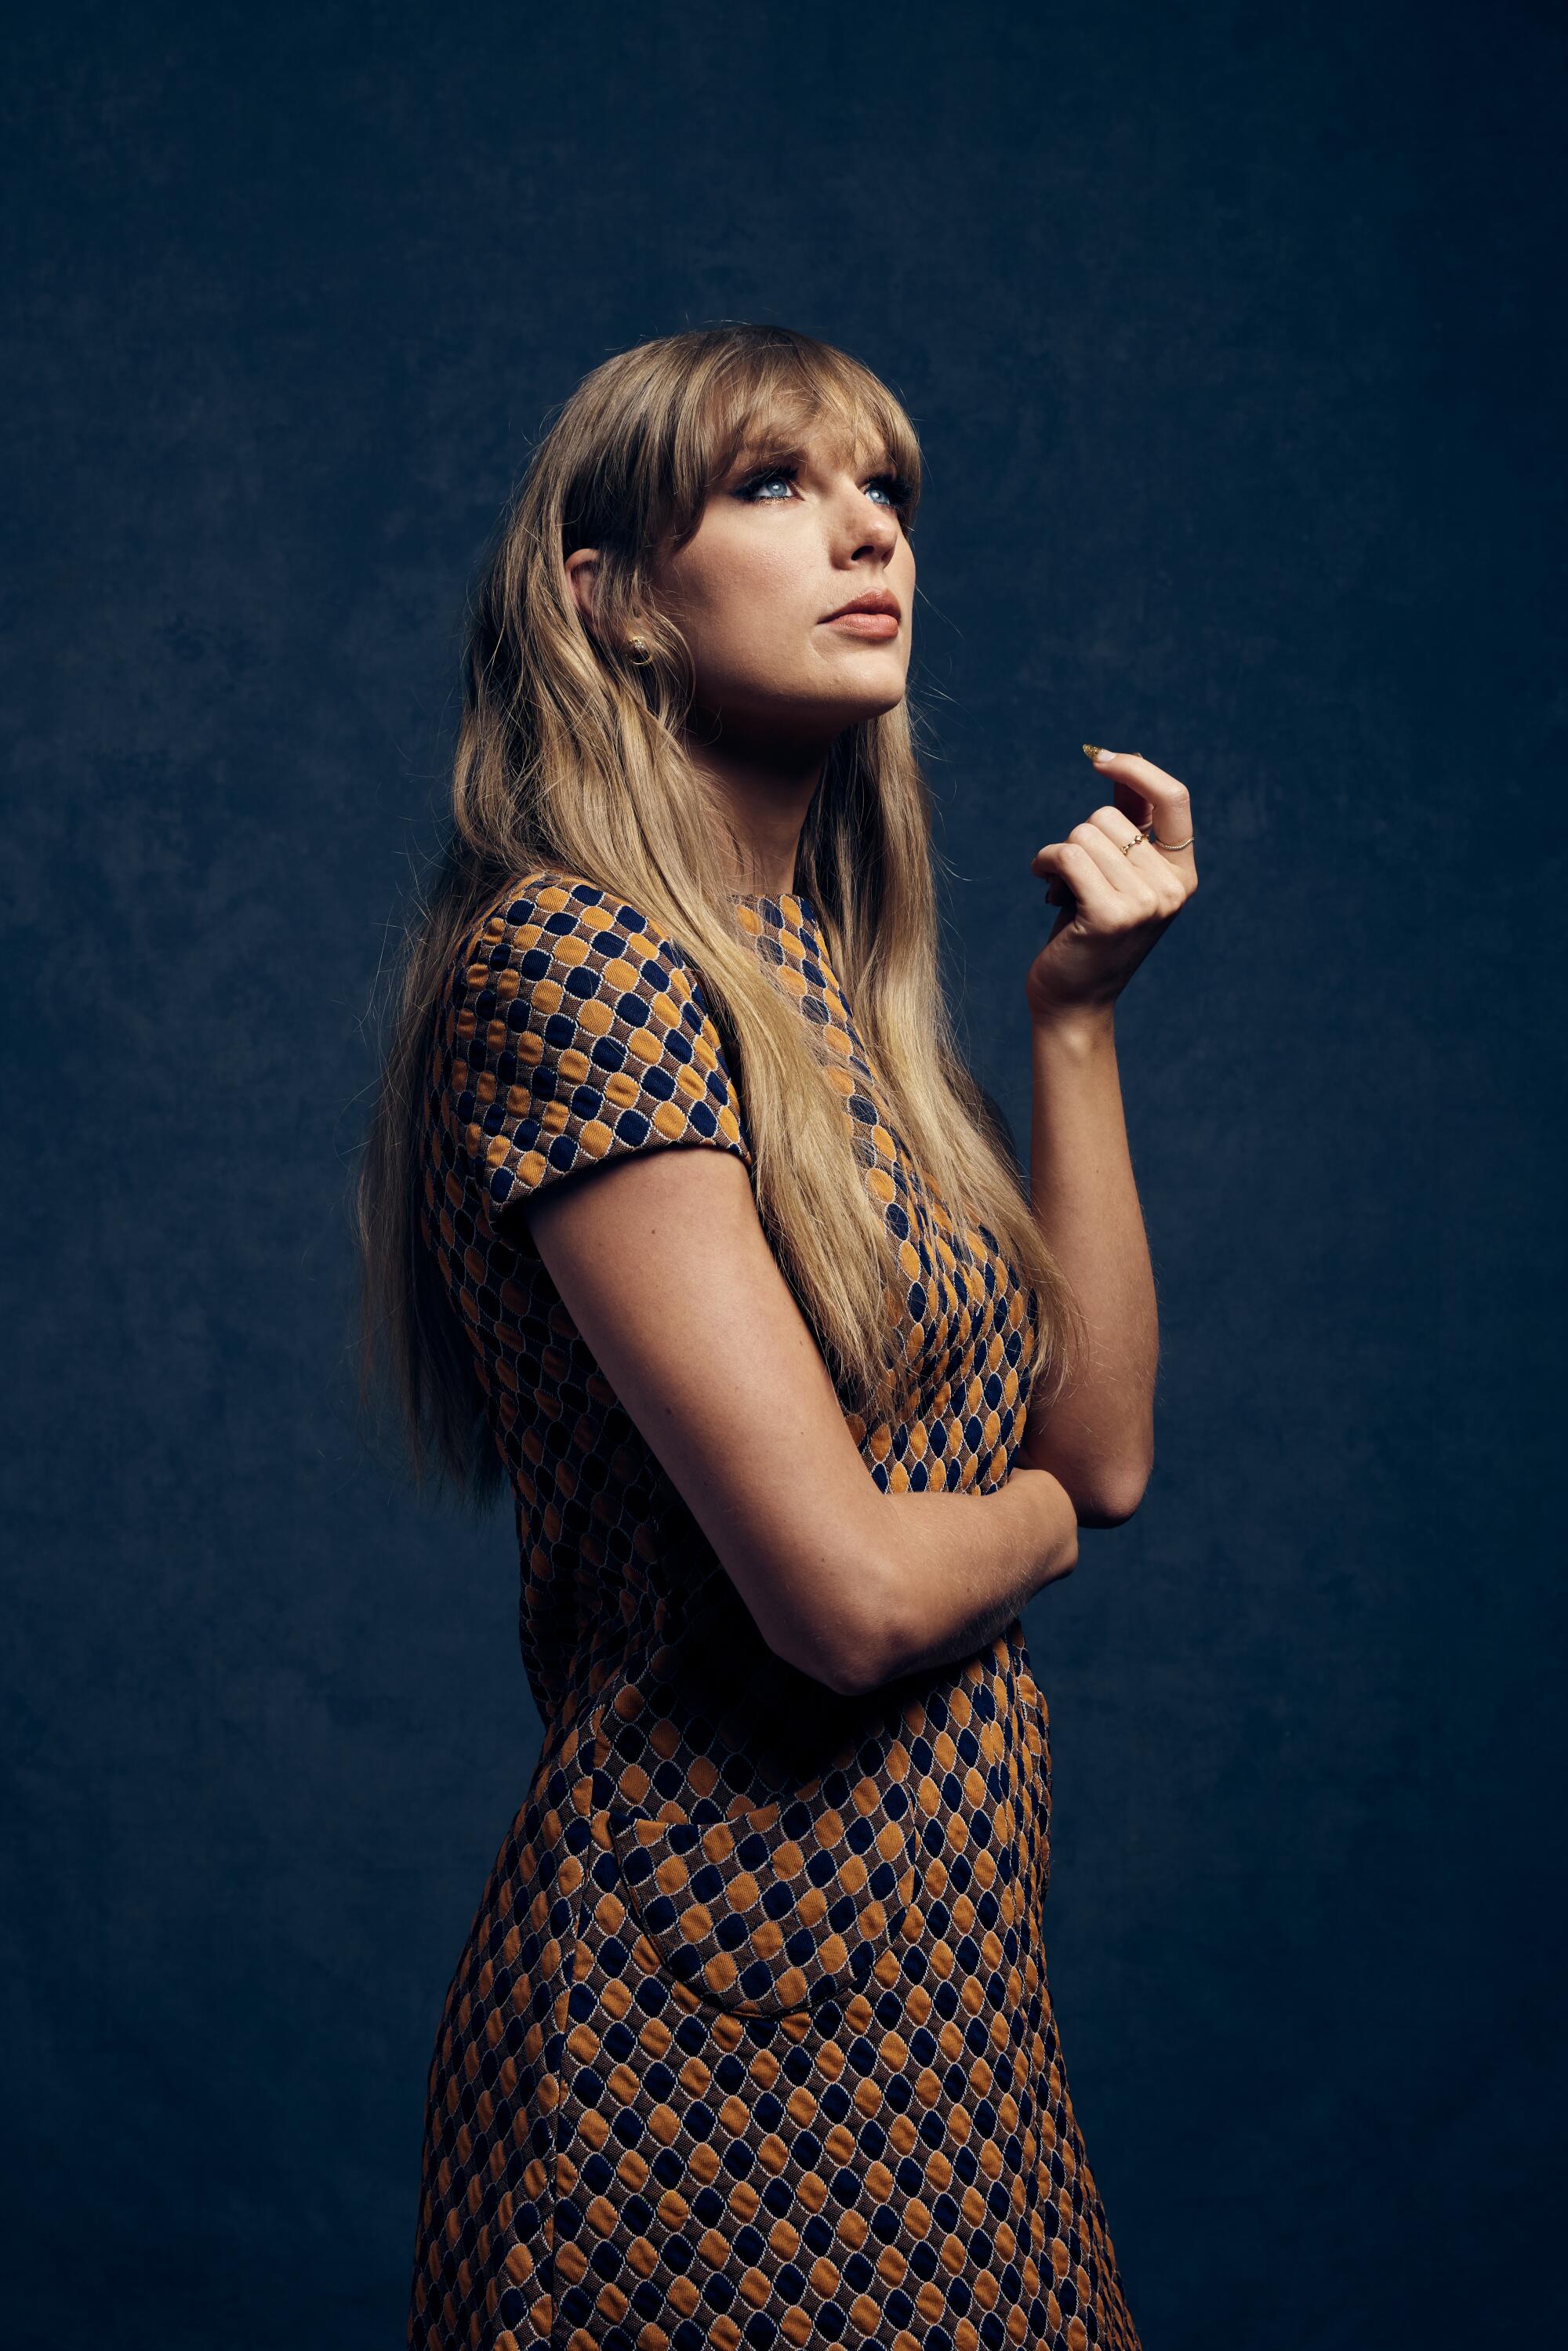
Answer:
(1093, 751)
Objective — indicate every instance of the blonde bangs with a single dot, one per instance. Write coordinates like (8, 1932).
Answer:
(763, 398)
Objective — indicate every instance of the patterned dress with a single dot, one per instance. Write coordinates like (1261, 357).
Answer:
(750, 2042)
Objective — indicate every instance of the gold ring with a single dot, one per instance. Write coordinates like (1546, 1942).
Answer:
(1171, 847)
(1128, 846)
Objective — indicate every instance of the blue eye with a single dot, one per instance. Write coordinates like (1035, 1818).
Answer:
(758, 482)
(897, 491)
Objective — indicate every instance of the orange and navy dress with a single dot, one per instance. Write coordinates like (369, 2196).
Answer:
(750, 2042)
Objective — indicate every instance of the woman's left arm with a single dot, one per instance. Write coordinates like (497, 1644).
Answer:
(1117, 891)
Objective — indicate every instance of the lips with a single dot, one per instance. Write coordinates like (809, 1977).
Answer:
(874, 616)
(875, 627)
(876, 600)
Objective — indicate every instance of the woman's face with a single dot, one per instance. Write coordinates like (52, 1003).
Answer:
(785, 542)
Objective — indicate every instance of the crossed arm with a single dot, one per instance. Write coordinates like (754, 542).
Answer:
(661, 1261)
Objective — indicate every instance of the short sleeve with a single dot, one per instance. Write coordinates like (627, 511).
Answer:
(580, 1033)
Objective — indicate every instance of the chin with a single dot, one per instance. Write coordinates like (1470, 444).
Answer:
(872, 703)
(816, 712)
(836, 717)
(879, 708)
(870, 693)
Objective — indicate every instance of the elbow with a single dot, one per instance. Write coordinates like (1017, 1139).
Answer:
(1110, 1500)
(851, 1648)
(846, 1659)
(1105, 1472)
(847, 1678)
(852, 1671)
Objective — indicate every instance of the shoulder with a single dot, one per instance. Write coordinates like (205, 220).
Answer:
(549, 929)
(578, 1031)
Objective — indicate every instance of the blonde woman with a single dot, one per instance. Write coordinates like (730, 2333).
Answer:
(750, 2042)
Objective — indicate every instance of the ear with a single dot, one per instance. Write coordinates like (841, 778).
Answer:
(582, 579)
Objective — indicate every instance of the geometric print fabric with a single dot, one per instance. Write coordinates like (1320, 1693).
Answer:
(750, 2042)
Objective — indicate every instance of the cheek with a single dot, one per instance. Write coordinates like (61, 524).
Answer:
(744, 607)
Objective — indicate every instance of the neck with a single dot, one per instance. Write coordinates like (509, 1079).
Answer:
(762, 790)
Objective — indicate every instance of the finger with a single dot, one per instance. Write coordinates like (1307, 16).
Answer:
(1114, 861)
(1167, 798)
(1118, 826)
(1101, 904)
(1135, 850)
(1134, 805)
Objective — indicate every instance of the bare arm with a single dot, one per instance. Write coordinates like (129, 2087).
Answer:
(1117, 891)
(662, 1262)
(1099, 1438)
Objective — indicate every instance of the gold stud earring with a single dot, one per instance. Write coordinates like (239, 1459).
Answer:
(641, 651)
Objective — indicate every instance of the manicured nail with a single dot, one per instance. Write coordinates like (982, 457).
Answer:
(1093, 751)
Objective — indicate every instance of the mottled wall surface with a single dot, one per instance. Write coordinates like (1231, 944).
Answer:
(1232, 340)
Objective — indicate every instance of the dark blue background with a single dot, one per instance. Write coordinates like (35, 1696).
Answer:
(1233, 337)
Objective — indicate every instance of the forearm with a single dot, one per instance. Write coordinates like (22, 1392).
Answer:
(954, 1570)
(1098, 1438)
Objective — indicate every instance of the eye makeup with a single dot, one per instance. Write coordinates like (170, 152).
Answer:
(785, 464)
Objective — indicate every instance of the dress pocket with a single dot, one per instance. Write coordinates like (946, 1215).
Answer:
(768, 1911)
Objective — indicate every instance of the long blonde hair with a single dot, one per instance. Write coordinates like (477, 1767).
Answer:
(571, 755)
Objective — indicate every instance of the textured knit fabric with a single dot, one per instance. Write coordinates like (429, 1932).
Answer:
(750, 2042)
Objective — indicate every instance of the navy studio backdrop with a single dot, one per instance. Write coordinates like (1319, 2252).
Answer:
(1230, 337)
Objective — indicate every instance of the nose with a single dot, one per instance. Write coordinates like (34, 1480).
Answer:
(867, 527)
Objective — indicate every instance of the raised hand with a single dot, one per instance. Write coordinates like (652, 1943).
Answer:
(1119, 878)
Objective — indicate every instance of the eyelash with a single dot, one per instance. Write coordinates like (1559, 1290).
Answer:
(899, 490)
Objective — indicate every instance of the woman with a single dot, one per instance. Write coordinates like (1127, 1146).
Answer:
(750, 2042)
